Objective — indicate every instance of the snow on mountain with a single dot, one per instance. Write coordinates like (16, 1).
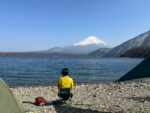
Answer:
(85, 46)
(90, 40)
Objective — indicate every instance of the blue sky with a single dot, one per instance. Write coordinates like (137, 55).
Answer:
(27, 25)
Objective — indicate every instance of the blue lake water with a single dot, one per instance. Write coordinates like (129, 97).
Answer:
(20, 71)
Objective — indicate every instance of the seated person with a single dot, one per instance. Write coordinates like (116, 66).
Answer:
(65, 84)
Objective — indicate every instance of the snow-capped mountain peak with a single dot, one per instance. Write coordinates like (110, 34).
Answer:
(90, 40)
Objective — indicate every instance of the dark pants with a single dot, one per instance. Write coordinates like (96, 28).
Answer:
(65, 94)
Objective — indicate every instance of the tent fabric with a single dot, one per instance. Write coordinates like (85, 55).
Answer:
(8, 103)
(140, 71)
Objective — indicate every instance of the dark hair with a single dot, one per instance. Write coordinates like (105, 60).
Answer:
(65, 71)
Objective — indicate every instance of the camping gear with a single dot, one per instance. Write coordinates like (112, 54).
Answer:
(8, 103)
(40, 101)
(64, 93)
(140, 71)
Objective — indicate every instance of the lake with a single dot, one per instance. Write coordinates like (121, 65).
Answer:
(45, 70)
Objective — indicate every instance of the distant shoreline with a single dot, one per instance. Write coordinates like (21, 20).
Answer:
(85, 83)
(55, 84)
(37, 54)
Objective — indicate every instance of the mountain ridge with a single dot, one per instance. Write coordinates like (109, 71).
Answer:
(137, 52)
(140, 40)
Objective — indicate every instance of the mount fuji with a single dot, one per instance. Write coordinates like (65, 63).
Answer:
(85, 46)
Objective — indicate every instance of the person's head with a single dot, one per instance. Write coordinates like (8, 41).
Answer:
(65, 71)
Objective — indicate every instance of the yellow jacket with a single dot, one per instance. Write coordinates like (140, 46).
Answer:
(65, 82)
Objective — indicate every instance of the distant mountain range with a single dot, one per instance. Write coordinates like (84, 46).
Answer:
(139, 41)
(85, 46)
(92, 46)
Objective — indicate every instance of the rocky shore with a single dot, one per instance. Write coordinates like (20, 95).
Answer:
(131, 97)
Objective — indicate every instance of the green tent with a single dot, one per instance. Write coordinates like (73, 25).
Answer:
(142, 70)
(8, 103)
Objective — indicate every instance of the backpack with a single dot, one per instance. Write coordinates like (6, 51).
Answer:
(40, 101)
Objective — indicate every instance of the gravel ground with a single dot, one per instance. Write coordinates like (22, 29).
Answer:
(131, 97)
